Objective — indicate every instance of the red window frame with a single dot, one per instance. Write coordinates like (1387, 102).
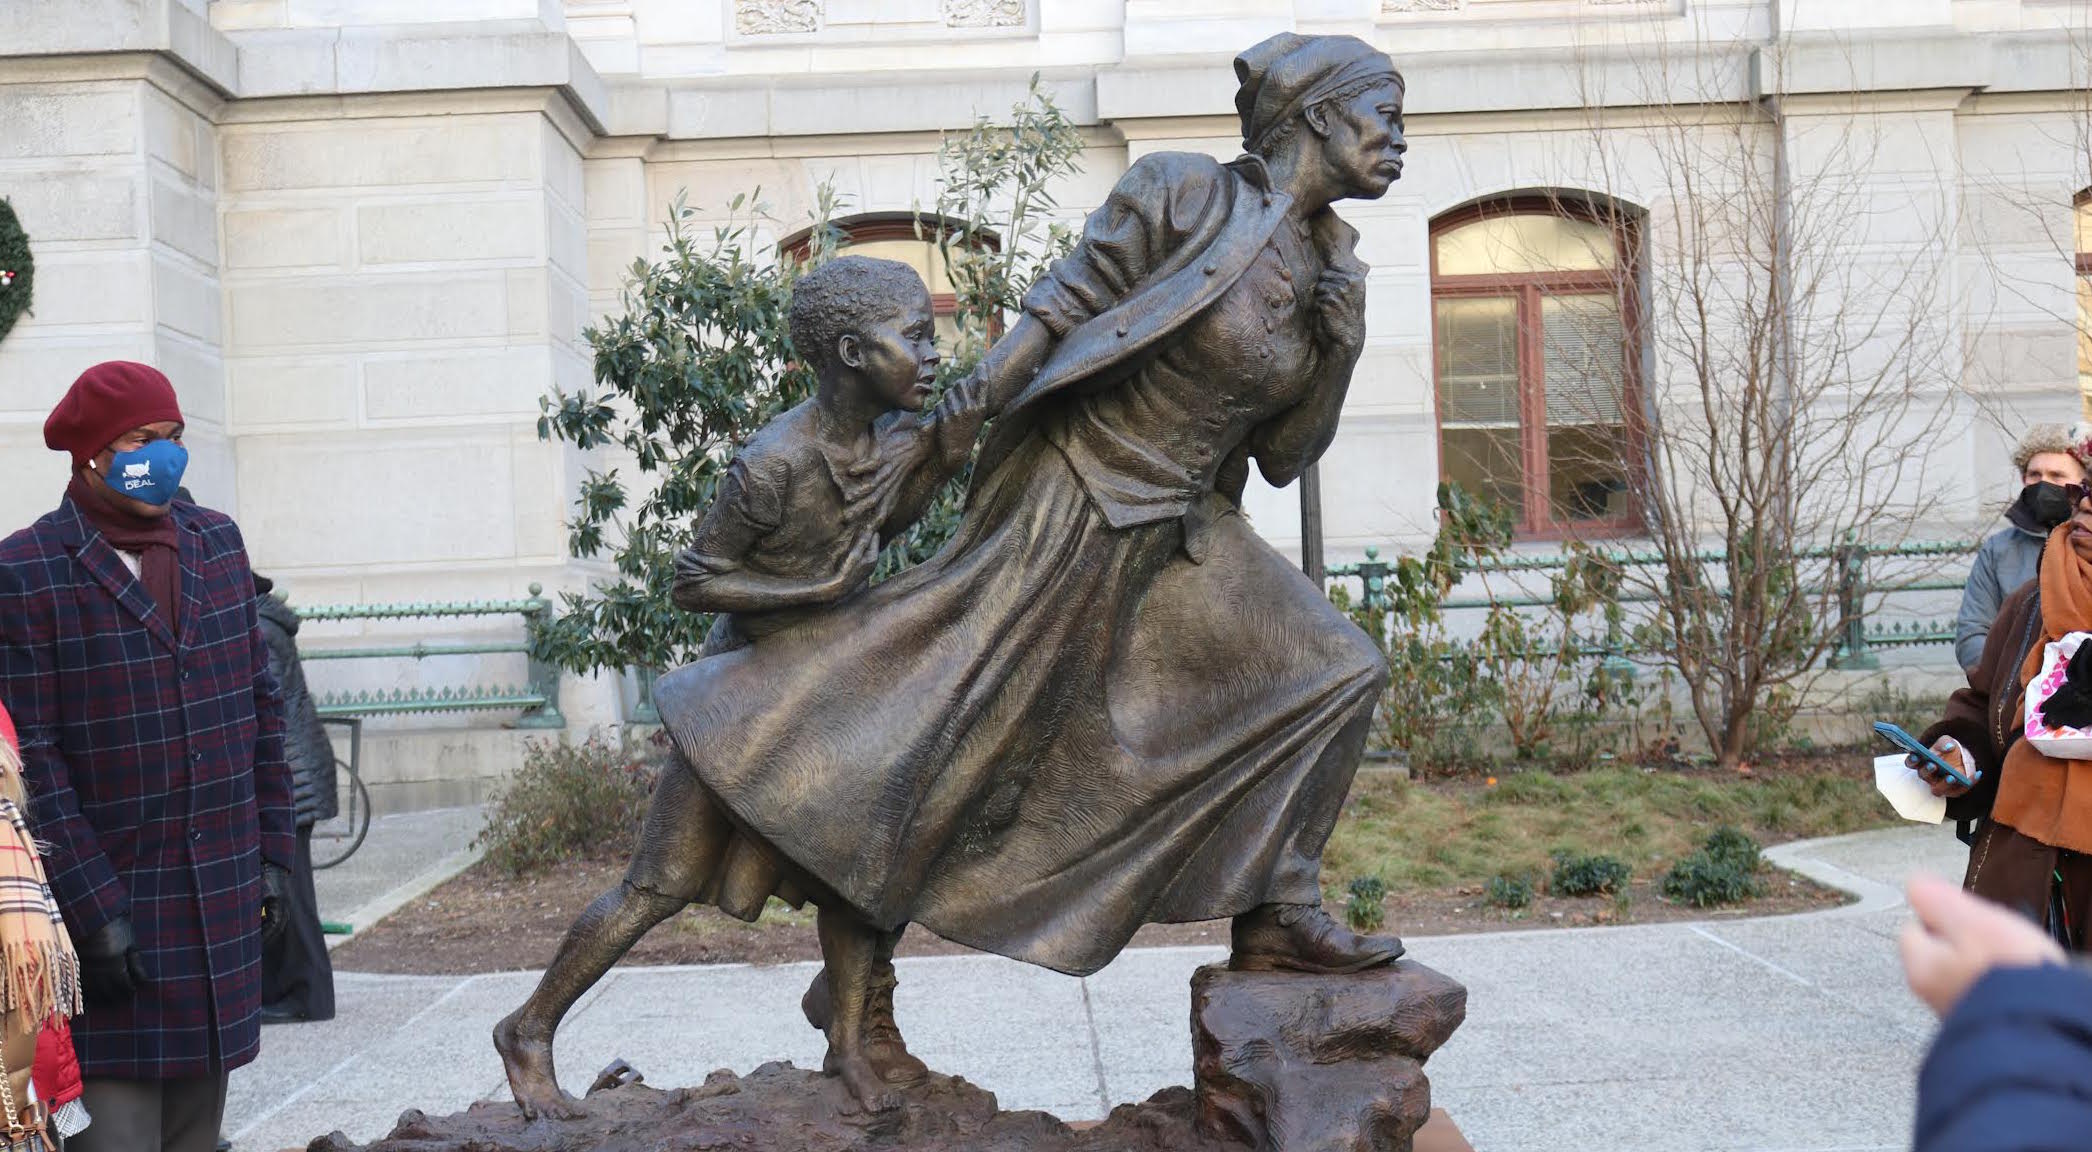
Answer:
(871, 227)
(1537, 521)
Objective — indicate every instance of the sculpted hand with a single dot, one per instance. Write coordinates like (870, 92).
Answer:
(690, 574)
(1958, 937)
(1340, 310)
(874, 484)
(856, 567)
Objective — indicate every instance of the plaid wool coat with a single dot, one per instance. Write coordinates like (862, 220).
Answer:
(156, 774)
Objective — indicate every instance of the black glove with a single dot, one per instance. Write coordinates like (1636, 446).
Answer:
(111, 968)
(276, 903)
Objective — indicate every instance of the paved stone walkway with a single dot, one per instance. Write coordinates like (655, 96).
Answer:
(1790, 1033)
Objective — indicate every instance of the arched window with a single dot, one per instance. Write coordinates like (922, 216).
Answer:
(1533, 308)
(911, 240)
(2083, 234)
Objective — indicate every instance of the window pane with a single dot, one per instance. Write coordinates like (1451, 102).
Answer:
(1581, 350)
(1583, 357)
(1478, 361)
(920, 255)
(1510, 245)
(1485, 463)
(1478, 398)
(2084, 227)
(1585, 478)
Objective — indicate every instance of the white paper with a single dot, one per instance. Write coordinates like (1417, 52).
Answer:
(1907, 791)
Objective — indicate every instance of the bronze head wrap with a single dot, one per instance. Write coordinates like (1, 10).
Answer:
(1285, 75)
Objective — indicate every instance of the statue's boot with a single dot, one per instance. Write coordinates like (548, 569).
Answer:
(1304, 938)
(883, 1045)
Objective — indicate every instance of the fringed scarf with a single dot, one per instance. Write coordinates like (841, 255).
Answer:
(42, 974)
(2039, 795)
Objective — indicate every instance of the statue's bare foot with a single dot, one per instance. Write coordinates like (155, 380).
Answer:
(528, 1062)
(1303, 938)
(861, 1079)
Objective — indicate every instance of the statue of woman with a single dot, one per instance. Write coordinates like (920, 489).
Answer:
(1107, 702)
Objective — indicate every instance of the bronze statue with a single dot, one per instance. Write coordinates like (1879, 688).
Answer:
(1106, 702)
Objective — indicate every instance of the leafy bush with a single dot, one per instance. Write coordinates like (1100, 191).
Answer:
(700, 356)
(1725, 871)
(1363, 910)
(1576, 874)
(1735, 847)
(1436, 700)
(568, 801)
(1510, 891)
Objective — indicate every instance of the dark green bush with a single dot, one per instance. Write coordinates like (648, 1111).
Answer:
(1363, 910)
(568, 802)
(1725, 871)
(1576, 874)
(1510, 891)
(1735, 847)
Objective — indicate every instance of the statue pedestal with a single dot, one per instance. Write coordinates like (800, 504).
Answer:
(1288, 1062)
(1284, 1063)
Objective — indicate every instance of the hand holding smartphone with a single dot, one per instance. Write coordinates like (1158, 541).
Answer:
(1931, 759)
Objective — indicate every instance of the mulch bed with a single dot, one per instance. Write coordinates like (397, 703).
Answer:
(485, 921)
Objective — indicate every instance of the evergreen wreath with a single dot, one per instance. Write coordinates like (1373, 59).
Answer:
(17, 270)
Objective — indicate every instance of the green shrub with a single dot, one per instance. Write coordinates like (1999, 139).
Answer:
(1733, 846)
(1510, 891)
(1363, 909)
(1725, 871)
(1576, 874)
(568, 802)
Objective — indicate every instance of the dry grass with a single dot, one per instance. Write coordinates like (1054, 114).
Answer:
(1445, 834)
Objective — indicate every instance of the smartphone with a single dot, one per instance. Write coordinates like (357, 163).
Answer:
(1909, 743)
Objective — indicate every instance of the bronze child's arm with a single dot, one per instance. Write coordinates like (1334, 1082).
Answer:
(948, 433)
(710, 575)
(706, 584)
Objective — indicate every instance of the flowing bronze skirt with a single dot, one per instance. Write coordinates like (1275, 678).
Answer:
(1048, 735)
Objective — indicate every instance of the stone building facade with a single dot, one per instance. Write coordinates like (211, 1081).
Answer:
(364, 236)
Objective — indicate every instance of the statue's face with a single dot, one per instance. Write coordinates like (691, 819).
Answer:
(897, 358)
(1362, 141)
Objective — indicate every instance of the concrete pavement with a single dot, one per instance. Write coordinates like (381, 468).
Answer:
(1788, 1033)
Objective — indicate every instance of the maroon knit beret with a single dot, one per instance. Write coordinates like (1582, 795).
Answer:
(107, 401)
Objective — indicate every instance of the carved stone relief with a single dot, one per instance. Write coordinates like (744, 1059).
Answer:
(1421, 5)
(983, 13)
(772, 17)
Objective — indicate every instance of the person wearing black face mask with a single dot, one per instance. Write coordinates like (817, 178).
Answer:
(2047, 458)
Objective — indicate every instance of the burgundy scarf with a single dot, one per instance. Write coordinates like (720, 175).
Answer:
(154, 539)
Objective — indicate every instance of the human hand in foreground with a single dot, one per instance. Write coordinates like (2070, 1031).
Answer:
(1946, 748)
(1958, 937)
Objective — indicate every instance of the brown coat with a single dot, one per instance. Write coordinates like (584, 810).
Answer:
(1985, 717)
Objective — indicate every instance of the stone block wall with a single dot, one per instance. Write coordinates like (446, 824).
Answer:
(112, 169)
(364, 238)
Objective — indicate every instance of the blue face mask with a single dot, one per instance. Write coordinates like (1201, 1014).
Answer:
(149, 473)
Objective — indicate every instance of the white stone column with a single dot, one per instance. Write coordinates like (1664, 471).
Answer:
(111, 165)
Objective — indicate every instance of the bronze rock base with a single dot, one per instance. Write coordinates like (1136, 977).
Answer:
(1288, 1062)
(779, 1108)
(1285, 1062)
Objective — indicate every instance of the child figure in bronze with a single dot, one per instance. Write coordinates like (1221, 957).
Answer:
(796, 525)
